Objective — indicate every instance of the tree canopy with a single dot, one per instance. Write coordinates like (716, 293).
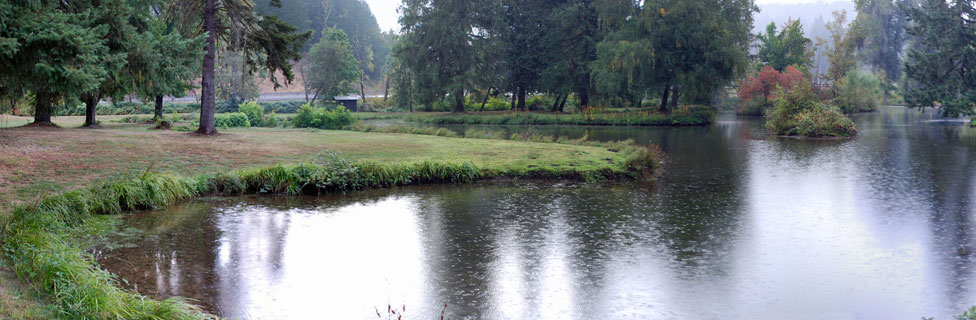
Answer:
(332, 68)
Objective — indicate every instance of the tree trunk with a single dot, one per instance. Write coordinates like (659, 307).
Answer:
(315, 97)
(91, 101)
(13, 106)
(584, 97)
(459, 101)
(884, 100)
(562, 105)
(555, 104)
(42, 108)
(677, 94)
(514, 96)
(386, 89)
(158, 113)
(664, 98)
(362, 88)
(521, 99)
(485, 102)
(208, 101)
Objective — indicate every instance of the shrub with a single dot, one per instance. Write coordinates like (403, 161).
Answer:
(322, 118)
(858, 92)
(798, 113)
(232, 120)
(758, 93)
(271, 121)
(496, 104)
(254, 112)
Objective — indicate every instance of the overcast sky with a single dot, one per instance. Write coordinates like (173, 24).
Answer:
(386, 10)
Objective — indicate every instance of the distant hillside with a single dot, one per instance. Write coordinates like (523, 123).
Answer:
(807, 13)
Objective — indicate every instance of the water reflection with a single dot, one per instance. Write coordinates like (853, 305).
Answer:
(741, 225)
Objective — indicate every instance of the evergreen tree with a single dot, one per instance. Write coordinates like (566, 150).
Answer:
(52, 51)
(942, 61)
(445, 45)
(270, 43)
(786, 48)
(164, 62)
(883, 24)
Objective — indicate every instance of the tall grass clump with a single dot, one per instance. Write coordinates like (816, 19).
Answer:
(38, 247)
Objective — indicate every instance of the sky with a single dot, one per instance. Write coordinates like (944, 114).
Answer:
(386, 10)
(386, 13)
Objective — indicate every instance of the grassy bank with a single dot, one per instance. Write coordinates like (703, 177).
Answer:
(42, 235)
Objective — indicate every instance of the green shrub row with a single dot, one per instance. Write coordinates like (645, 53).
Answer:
(688, 116)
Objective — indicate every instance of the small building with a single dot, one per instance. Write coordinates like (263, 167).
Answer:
(348, 101)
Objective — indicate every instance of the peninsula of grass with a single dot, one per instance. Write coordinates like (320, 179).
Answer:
(124, 167)
(686, 116)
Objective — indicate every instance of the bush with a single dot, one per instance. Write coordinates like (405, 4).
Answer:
(759, 93)
(798, 113)
(322, 118)
(271, 121)
(232, 120)
(496, 104)
(254, 112)
(858, 92)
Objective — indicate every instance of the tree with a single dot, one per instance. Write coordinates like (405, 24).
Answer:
(941, 63)
(844, 42)
(121, 19)
(663, 44)
(525, 24)
(767, 82)
(445, 44)
(571, 48)
(52, 51)
(165, 62)
(332, 68)
(882, 23)
(270, 43)
(787, 48)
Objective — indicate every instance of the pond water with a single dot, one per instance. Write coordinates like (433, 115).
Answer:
(739, 226)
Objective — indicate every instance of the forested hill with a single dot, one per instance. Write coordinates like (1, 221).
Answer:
(807, 13)
(352, 16)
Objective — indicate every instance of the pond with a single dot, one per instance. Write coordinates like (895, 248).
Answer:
(739, 225)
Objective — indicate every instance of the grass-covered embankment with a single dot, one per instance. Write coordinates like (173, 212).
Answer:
(43, 238)
(685, 116)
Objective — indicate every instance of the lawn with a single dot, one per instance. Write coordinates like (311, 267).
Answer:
(42, 161)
